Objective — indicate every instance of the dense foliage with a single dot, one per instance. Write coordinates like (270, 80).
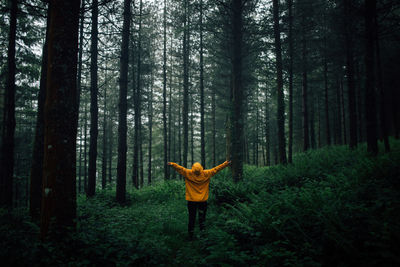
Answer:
(331, 207)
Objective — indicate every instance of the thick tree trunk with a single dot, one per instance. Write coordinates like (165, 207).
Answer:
(61, 119)
(7, 144)
(279, 81)
(94, 110)
(237, 91)
(370, 94)
(123, 91)
(36, 174)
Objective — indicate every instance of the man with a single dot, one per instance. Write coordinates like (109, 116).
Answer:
(197, 181)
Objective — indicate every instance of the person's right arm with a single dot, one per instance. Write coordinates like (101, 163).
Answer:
(181, 170)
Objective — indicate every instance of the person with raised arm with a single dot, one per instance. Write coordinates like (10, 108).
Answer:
(197, 181)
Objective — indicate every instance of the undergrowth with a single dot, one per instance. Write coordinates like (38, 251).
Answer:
(331, 207)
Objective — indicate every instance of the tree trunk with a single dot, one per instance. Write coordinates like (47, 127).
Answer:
(359, 103)
(370, 94)
(350, 74)
(123, 91)
(80, 63)
(185, 111)
(85, 151)
(290, 37)
(213, 112)
(279, 81)
(191, 131)
(110, 149)
(343, 112)
(166, 169)
(382, 98)
(61, 121)
(149, 172)
(36, 174)
(306, 136)
(267, 130)
(80, 53)
(339, 139)
(202, 129)
(137, 101)
(7, 145)
(237, 91)
(326, 91)
(104, 156)
(94, 110)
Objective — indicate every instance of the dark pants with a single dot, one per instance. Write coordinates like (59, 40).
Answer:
(192, 208)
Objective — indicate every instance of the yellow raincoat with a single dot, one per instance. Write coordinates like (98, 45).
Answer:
(197, 180)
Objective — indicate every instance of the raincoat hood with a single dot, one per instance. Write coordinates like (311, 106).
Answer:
(197, 168)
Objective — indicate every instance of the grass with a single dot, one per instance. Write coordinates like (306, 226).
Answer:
(331, 207)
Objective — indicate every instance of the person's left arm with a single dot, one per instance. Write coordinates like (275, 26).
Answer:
(216, 169)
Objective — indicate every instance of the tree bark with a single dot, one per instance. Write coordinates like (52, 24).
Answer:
(104, 156)
(94, 110)
(326, 88)
(306, 136)
(350, 74)
(370, 94)
(185, 111)
(383, 114)
(149, 172)
(79, 84)
(237, 91)
(123, 91)
(7, 146)
(267, 130)
(80, 53)
(137, 101)
(279, 81)
(202, 129)
(36, 174)
(290, 37)
(343, 112)
(61, 121)
(165, 136)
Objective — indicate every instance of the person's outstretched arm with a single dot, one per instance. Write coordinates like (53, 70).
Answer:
(181, 170)
(215, 170)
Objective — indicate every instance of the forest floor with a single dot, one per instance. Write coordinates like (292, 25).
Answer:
(331, 207)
